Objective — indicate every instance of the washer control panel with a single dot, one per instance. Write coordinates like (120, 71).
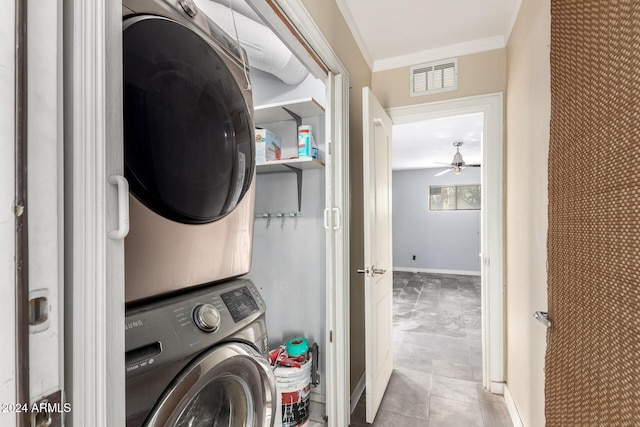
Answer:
(163, 332)
(206, 317)
(240, 303)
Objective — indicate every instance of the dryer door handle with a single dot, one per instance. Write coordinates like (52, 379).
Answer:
(123, 207)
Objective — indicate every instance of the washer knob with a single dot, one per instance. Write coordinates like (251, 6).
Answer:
(206, 317)
(189, 7)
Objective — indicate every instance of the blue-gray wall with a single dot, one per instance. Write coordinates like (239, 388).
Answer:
(288, 258)
(445, 240)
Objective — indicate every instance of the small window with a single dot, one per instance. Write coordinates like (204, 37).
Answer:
(454, 197)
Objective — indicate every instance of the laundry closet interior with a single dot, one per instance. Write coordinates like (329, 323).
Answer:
(289, 238)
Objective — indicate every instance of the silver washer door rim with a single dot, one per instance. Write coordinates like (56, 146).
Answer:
(220, 361)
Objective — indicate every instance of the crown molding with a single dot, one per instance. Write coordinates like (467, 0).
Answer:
(351, 23)
(460, 49)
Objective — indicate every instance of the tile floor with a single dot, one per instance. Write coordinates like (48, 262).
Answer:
(437, 377)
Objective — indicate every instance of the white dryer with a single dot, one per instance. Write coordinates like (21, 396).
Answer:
(189, 150)
(199, 359)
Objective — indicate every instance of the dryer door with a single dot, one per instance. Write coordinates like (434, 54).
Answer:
(188, 124)
(230, 385)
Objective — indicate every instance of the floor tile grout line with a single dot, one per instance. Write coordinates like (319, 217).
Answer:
(465, 288)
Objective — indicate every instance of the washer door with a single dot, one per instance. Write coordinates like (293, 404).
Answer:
(188, 129)
(231, 385)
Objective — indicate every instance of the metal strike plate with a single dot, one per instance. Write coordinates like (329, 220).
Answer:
(38, 310)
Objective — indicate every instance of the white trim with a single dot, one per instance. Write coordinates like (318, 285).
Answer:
(341, 201)
(437, 271)
(491, 105)
(318, 398)
(440, 109)
(45, 193)
(94, 309)
(306, 26)
(460, 49)
(298, 14)
(496, 388)
(351, 23)
(511, 407)
(357, 392)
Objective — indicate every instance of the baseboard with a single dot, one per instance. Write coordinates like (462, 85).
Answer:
(357, 392)
(496, 387)
(318, 397)
(435, 271)
(511, 407)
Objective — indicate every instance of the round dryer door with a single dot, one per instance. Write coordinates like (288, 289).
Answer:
(188, 127)
(230, 385)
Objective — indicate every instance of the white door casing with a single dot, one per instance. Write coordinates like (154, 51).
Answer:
(45, 195)
(378, 265)
(96, 272)
(492, 227)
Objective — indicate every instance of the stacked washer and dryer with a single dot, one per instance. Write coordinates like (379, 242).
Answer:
(195, 333)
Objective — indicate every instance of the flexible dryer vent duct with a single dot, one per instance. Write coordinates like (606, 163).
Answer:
(264, 49)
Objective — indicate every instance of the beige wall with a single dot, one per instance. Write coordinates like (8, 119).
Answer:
(478, 74)
(528, 114)
(334, 28)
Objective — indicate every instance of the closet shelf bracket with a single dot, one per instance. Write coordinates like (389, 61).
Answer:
(298, 173)
(296, 117)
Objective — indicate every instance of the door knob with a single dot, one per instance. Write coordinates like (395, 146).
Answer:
(379, 271)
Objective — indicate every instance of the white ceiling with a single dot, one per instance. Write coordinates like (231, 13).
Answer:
(422, 145)
(408, 32)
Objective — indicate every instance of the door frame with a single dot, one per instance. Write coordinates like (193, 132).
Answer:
(8, 392)
(323, 63)
(94, 265)
(492, 222)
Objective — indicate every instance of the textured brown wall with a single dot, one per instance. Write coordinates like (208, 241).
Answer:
(592, 370)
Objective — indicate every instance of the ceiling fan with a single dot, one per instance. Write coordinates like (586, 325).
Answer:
(457, 164)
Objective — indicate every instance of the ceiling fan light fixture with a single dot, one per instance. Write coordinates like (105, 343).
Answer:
(457, 170)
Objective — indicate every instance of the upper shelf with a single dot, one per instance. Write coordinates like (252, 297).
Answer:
(281, 165)
(269, 113)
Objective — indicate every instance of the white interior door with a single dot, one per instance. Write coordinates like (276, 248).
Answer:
(377, 251)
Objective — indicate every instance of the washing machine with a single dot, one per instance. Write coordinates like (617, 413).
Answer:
(189, 150)
(199, 359)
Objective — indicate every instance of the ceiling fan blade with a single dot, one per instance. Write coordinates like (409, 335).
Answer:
(443, 172)
(477, 165)
(440, 163)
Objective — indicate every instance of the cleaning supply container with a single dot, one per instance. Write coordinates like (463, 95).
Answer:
(293, 388)
(293, 372)
(305, 138)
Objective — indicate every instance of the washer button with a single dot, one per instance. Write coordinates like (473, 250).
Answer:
(206, 317)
